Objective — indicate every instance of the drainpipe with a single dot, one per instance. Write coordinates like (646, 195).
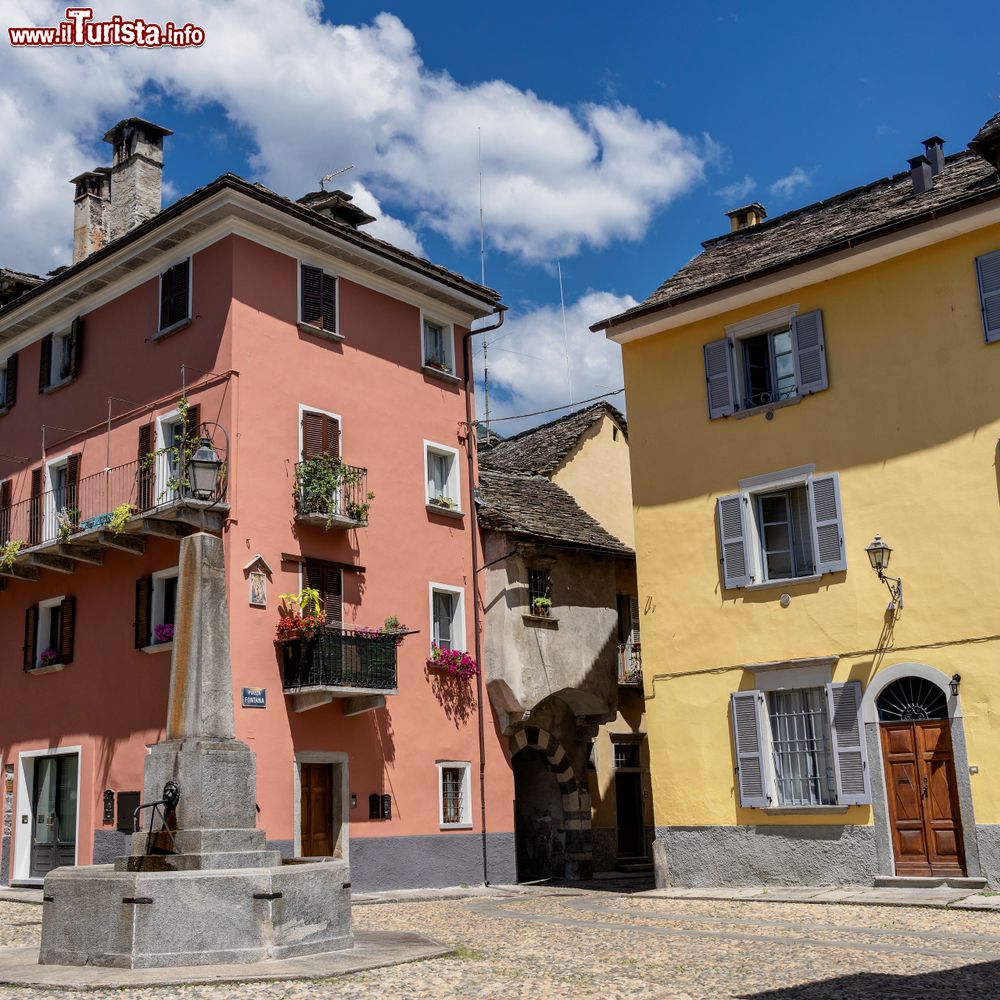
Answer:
(470, 445)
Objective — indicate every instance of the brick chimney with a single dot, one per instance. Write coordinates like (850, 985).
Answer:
(91, 207)
(136, 174)
(747, 216)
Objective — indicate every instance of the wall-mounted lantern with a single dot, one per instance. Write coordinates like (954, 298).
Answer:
(956, 679)
(205, 469)
(878, 556)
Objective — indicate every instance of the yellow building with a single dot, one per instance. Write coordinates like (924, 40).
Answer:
(803, 385)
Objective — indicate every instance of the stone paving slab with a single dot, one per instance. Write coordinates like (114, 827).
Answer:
(859, 894)
(16, 895)
(372, 950)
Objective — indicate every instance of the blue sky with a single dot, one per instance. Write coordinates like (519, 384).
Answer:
(613, 138)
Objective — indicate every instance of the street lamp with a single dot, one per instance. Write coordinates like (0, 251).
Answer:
(205, 469)
(878, 556)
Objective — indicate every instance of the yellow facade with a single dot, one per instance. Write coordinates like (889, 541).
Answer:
(910, 421)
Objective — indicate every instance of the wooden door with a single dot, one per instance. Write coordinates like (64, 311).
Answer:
(317, 810)
(923, 798)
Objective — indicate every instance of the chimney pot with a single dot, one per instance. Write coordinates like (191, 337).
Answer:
(934, 151)
(921, 174)
(338, 206)
(746, 216)
(136, 173)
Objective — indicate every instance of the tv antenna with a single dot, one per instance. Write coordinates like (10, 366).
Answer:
(482, 279)
(329, 177)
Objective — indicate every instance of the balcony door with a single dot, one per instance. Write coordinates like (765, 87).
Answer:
(53, 813)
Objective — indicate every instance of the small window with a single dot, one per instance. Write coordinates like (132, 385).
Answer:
(53, 634)
(447, 627)
(626, 756)
(8, 382)
(442, 476)
(784, 530)
(768, 369)
(539, 591)
(801, 746)
(454, 794)
(439, 346)
(317, 299)
(164, 606)
(59, 356)
(175, 295)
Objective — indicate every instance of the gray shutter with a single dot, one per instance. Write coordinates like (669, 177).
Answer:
(988, 270)
(732, 535)
(810, 353)
(748, 738)
(850, 755)
(634, 609)
(719, 378)
(10, 382)
(828, 524)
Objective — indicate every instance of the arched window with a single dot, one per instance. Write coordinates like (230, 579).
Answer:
(911, 699)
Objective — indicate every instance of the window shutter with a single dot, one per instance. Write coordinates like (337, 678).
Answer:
(719, 378)
(191, 425)
(327, 581)
(329, 303)
(732, 534)
(810, 353)
(76, 344)
(5, 499)
(166, 294)
(313, 425)
(45, 363)
(634, 607)
(35, 508)
(311, 281)
(180, 307)
(331, 437)
(143, 611)
(10, 382)
(30, 633)
(988, 270)
(850, 755)
(748, 738)
(73, 485)
(67, 632)
(828, 526)
(145, 473)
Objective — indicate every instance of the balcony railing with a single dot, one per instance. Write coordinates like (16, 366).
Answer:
(630, 664)
(330, 493)
(89, 504)
(355, 660)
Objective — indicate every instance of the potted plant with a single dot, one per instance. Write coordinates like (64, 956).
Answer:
(47, 657)
(456, 662)
(358, 510)
(437, 365)
(540, 606)
(163, 633)
(300, 615)
(446, 502)
(67, 521)
(8, 553)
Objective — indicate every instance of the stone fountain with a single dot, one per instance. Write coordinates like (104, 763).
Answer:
(199, 886)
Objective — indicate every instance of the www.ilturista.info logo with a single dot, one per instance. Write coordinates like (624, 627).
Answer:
(80, 28)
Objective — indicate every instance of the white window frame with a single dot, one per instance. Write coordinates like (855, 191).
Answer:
(305, 408)
(448, 332)
(20, 869)
(330, 273)
(466, 768)
(776, 321)
(454, 477)
(49, 509)
(163, 331)
(158, 602)
(59, 337)
(162, 463)
(44, 625)
(458, 621)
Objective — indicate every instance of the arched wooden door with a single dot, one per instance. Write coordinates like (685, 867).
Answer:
(920, 779)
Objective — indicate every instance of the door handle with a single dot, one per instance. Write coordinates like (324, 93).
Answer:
(924, 792)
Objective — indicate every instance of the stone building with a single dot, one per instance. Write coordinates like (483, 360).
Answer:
(561, 642)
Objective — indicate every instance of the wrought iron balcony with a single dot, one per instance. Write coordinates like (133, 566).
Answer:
(331, 494)
(340, 662)
(630, 664)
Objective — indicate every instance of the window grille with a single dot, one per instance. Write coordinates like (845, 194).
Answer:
(452, 786)
(801, 745)
(539, 585)
(626, 755)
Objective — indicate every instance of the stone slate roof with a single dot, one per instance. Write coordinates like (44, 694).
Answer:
(824, 227)
(532, 506)
(539, 451)
(15, 283)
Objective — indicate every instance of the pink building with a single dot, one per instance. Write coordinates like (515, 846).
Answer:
(325, 369)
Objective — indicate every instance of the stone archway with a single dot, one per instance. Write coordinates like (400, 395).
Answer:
(876, 766)
(573, 856)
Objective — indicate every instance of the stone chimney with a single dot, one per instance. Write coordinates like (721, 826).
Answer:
(747, 216)
(91, 207)
(136, 174)
(336, 205)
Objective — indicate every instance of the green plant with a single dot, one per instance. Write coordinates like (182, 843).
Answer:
(541, 605)
(300, 613)
(321, 484)
(8, 553)
(68, 520)
(180, 457)
(120, 516)
(445, 502)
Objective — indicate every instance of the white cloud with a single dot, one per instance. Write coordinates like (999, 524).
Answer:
(385, 227)
(528, 359)
(313, 95)
(789, 185)
(738, 190)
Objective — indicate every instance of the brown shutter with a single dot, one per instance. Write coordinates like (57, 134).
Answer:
(329, 303)
(67, 631)
(192, 423)
(311, 309)
(45, 363)
(179, 304)
(76, 345)
(327, 580)
(5, 496)
(35, 508)
(10, 382)
(143, 610)
(73, 486)
(313, 427)
(331, 437)
(145, 474)
(30, 632)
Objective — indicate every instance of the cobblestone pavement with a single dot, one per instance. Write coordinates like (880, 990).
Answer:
(606, 945)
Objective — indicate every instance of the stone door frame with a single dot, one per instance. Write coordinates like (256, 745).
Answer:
(876, 764)
(341, 779)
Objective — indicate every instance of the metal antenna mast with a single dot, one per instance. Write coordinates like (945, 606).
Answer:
(562, 306)
(482, 278)
(329, 177)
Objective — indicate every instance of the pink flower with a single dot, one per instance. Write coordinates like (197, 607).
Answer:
(455, 661)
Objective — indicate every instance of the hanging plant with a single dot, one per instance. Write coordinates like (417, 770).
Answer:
(120, 516)
(8, 553)
(458, 663)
